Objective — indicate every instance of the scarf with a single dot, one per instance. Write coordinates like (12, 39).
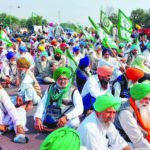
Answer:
(139, 118)
(55, 95)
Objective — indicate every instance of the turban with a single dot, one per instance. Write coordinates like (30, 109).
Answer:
(98, 47)
(134, 74)
(121, 45)
(84, 62)
(105, 71)
(13, 40)
(62, 139)
(63, 45)
(106, 101)
(23, 63)
(41, 48)
(148, 45)
(62, 71)
(10, 55)
(18, 39)
(51, 24)
(44, 53)
(58, 51)
(139, 91)
(54, 42)
(42, 41)
(133, 47)
(76, 48)
(106, 50)
(82, 43)
(23, 48)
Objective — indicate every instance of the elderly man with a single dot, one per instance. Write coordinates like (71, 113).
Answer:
(96, 85)
(133, 121)
(97, 131)
(45, 68)
(63, 98)
(11, 117)
(29, 91)
(146, 53)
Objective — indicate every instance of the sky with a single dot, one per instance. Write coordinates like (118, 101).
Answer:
(72, 11)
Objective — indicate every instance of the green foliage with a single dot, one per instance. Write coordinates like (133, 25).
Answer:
(70, 25)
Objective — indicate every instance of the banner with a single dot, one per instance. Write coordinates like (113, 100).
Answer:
(106, 23)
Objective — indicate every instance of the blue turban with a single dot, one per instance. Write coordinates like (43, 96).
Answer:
(105, 50)
(84, 62)
(10, 55)
(76, 48)
(23, 48)
(13, 40)
(82, 43)
(44, 53)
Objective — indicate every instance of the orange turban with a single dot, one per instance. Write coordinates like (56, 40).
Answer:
(105, 71)
(18, 39)
(134, 74)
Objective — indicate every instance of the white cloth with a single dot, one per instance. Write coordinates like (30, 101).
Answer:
(9, 115)
(27, 91)
(93, 135)
(133, 130)
(146, 53)
(72, 115)
(93, 87)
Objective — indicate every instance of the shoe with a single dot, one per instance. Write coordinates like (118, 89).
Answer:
(20, 138)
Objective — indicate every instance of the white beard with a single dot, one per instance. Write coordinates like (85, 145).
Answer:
(145, 114)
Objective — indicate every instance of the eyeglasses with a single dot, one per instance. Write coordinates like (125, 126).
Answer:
(63, 79)
(146, 98)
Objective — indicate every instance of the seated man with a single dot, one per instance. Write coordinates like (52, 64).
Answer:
(62, 98)
(44, 68)
(96, 85)
(97, 130)
(29, 91)
(11, 117)
(82, 72)
(133, 121)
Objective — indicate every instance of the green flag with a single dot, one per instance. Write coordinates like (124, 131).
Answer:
(124, 35)
(106, 23)
(5, 39)
(124, 21)
(72, 64)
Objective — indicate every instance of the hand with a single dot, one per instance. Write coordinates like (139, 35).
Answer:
(17, 82)
(19, 129)
(38, 125)
(62, 121)
(3, 128)
(122, 69)
(123, 60)
(19, 101)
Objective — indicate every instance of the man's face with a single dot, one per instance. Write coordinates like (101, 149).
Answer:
(1, 50)
(62, 81)
(135, 51)
(13, 60)
(43, 58)
(144, 109)
(21, 70)
(106, 55)
(107, 116)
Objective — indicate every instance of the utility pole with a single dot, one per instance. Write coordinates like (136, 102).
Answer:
(59, 17)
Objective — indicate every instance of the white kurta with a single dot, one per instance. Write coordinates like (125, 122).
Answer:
(9, 115)
(93, 87)
(95, 137)
(133, 130)
(72, 115)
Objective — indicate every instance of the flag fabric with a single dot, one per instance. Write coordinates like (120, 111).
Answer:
(124, 21)
(72, 64)
(125, 27)
(34, 14)
(124, 35)
(138, 26)
(106, 24)
(107, 41)
(5, 39)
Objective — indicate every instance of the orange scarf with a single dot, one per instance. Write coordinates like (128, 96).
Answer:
(139, 118)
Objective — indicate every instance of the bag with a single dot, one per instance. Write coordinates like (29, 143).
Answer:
(53, 114)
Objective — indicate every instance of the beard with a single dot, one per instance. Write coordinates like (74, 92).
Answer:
(57, 57)
(104, 84)
(104, 123)
(145, 114)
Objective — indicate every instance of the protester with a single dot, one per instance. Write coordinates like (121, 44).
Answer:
(133, 121)
(60, 96)
(97, 130)
(11, 117)
(96, 85)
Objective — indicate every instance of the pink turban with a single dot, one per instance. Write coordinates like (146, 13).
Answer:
(105, 71)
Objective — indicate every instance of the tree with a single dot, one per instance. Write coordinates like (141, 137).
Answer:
(23, 22)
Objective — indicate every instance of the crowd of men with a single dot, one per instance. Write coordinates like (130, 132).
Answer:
(97, 97)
